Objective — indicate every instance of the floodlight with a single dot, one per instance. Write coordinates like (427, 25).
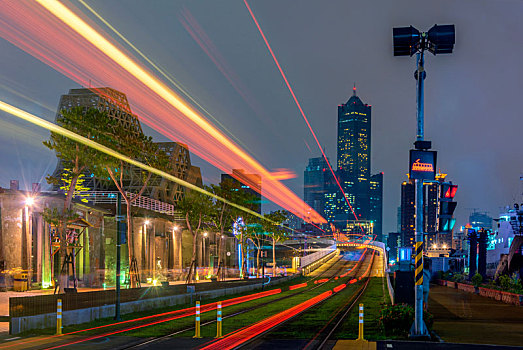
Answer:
(405, 40)
(29, 201)
(441, 39)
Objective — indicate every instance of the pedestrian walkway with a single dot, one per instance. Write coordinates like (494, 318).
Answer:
(462, 317)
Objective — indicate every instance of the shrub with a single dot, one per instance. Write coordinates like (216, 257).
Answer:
(458, 277)
(477, 279)
(396, 320)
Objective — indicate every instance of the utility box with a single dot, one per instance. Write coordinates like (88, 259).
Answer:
(404, 287)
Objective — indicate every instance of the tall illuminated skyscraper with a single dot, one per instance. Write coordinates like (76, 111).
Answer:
(363, 191)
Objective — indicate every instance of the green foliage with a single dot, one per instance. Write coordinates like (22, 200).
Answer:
(510, 284)
(197, 209)
(90, 123)
(477, 279)
(397, 319)
(458, 277)
(274, 224)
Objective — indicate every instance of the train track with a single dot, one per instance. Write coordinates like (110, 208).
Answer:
(155, 340)
(133, 325)
(319, 340)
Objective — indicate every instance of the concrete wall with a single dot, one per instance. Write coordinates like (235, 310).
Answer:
(22, 324)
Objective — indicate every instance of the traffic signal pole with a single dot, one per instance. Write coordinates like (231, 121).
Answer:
(419, 329)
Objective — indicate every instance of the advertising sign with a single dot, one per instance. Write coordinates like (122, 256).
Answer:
(422, 165)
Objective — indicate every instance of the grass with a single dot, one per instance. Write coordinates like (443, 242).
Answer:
(373, 300)
(124, 317)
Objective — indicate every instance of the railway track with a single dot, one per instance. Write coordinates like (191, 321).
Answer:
(139, 323)
(251, 341)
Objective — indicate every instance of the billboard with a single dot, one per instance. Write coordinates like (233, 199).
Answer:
(422, 165)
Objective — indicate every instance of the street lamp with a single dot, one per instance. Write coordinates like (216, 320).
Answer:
(407, 41)
(205, 234)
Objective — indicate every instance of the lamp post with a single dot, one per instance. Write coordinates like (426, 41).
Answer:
(408, 41)
(119, 219)
(205, 234)
(29, 202)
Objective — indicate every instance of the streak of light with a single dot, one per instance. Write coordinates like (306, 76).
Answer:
(300, 109)
(234, 339)
(283, 174)
(175, 315)
(57, 36)
(297, 286)
(160, 70)
(202, 39)
(73, 136)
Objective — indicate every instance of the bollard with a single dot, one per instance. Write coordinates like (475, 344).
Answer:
(58, 316)
(197, 328)
(360, 324)
(219, 320)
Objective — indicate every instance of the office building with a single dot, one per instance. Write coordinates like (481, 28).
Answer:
(249, 183)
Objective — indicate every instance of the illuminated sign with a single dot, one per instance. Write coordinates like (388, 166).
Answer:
(422, 165)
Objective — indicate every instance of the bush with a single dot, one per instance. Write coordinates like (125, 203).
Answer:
(396, 320)
(477, 279)
(458, 277)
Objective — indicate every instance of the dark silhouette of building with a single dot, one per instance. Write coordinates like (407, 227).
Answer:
(376, 204)
(408, 211)
(250, 183)
(316, 177)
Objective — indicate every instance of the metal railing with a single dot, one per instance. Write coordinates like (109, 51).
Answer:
(110, 197)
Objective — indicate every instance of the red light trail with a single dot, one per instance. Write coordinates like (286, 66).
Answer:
(57, 36)
(242, 335)
(176, 315)
(297, 286)
(301, 110)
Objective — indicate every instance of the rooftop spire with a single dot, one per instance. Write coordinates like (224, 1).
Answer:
(354, 90)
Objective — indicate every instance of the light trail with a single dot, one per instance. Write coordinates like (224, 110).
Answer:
(161, 71)
(175, 315)
(234, 339)
(75, 137)
(57, 36)
(301, 110)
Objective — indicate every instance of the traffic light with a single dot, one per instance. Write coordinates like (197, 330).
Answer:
(446, 208)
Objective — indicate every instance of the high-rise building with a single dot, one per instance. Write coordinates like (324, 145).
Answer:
(408, 211)
(376, 204)
(363, 191)
(315, 178)
(480, 220)
(436, 225)
(354, 126)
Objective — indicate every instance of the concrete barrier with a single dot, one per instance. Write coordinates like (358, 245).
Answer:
(22, 324)
(505, 297)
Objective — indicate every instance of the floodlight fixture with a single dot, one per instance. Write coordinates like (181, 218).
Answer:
(440, 39)
(29, 201)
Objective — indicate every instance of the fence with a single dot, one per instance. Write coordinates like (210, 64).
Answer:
(309, 259)
(43, 304)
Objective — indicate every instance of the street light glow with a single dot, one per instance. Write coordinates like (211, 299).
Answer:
(205, 234)
(147, 222)
(29, 201)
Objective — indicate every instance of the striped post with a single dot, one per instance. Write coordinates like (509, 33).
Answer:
(360, 324)
(219, 320)
(418, 264)
(58, 316)
(197, 327)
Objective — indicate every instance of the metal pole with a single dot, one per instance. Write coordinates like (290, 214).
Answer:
(118, 254)
(419, 325)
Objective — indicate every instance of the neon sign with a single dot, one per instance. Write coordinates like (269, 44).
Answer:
(422, 165)
(417, 166)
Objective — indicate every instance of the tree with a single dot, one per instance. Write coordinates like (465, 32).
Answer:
(274, 227)
(76, 159)
(197, 209)
(127, 177)
(254, 231)
(224, 214)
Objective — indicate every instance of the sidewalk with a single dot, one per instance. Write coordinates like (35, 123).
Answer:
(462, 317)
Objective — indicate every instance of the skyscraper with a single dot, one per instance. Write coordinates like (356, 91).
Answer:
(249, 183)
(363, 191)
(316, 177)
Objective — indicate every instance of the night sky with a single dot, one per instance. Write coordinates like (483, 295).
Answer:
(472, 101)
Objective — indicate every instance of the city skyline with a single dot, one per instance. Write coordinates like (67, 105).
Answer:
(394, 111)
